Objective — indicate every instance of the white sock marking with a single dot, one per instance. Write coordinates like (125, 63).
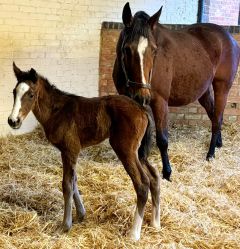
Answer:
(21, 89)
(142, 45)
(137, 225)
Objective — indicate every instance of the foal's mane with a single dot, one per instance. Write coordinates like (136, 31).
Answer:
(51, 87)
(139, 26)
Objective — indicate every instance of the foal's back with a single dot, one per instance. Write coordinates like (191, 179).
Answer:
(93, 119)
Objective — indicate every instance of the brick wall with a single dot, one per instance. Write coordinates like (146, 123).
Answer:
(221, 12)
(61, 40)
(191, 114)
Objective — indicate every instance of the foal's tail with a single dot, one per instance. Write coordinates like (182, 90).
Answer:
(147, 141)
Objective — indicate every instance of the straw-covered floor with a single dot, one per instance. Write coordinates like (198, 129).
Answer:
(200, 208)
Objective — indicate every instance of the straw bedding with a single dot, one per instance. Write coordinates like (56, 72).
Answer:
(200, 208)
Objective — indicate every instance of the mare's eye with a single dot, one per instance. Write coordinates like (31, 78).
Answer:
(31, 95)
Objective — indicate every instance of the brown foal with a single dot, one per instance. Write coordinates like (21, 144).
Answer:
(72, 122)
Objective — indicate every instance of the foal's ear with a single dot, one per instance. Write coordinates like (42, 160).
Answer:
(153, 20)
(18, 73)
(127, 15)
(33, 75)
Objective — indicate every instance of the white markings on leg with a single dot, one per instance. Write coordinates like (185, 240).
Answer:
(156, 217)
(137, 225)
(142, 45)
(21, 89)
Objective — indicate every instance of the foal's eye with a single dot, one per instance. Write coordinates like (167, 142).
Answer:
(31, 95)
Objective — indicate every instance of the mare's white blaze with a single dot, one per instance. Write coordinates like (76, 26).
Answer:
(21, 89)
(142, 45)
(137, 225)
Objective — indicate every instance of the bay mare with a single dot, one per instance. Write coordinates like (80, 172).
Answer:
(72, 122)
(163, 67)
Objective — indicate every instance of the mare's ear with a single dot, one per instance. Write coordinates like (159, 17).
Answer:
(33, 75)
(18, 73)
(153, 20)
(127, 15)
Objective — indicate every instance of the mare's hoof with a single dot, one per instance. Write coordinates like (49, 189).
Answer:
(219, 144)
(167, 174)
(210, 157)
(167, 171)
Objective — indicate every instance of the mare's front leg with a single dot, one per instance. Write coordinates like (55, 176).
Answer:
(160, 112)
(70, 190)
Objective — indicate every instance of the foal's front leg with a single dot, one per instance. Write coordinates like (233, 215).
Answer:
(70, 191)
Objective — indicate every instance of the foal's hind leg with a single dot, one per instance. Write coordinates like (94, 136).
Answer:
(80, 210)
(154, 177)
(126, 150)
(207, 102)
(221, 89)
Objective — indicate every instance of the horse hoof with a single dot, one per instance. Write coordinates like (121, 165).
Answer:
(80, 218)
(66, 227)
(133, 236)
(167, 175)
(219, 145)
(156, 225)
(210, 157)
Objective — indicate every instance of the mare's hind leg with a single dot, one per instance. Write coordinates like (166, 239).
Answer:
(70, 190)
(207, 102)
(126, 150)
(221, 89)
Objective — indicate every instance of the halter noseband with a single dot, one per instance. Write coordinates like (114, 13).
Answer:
(129, 82)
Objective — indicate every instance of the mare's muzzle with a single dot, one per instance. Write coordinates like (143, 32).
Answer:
(142, 100)
(15, 124)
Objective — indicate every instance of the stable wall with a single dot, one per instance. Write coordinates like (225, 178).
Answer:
(61, 40)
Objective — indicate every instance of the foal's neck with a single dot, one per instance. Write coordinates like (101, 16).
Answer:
(48, 97)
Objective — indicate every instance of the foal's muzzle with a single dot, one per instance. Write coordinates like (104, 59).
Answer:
(14, 124)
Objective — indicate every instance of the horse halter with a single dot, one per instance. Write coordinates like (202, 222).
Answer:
(129, 82)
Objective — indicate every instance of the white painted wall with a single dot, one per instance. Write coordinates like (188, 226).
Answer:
(61, 39)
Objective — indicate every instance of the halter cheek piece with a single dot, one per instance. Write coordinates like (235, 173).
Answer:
(130, 83)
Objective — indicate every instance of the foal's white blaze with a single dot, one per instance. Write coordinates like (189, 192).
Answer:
(137, 225)
(142, 45)
(21, 89)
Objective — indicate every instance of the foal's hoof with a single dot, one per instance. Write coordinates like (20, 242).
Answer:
(66, 227)
(133, 236)
(80, 218)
